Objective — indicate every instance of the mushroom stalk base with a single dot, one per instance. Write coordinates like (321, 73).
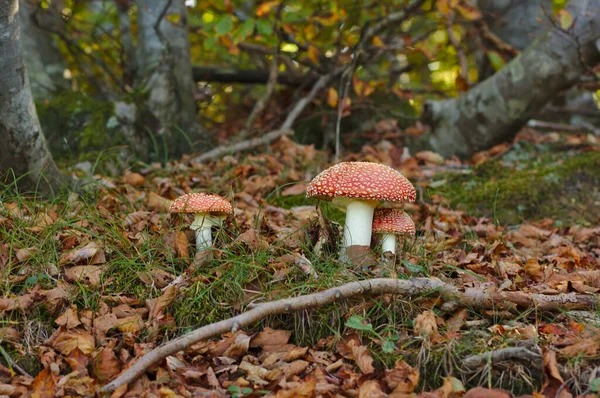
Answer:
(202, 226)
(359, 223)
(388, 243)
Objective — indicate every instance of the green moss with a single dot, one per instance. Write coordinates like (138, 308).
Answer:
(544, 186)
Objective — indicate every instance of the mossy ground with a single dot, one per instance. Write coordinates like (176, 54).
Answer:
(529, 183)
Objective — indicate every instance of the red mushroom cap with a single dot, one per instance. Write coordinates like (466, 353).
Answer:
(361, 180)
(392, 221)
(201, 203)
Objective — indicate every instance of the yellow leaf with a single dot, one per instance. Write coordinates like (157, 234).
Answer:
(310, 31)
(443, 6)
(173, 18)
(313, 54)
(377, 42)
(329, 20)
(265, 7)
(565, 18)
(468, 12)
(332, 97)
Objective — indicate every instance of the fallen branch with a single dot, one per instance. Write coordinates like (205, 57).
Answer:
(408, 288)
(272, 135)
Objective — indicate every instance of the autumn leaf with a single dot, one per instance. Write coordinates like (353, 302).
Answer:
(92, 253)
(67, 341)
(43, 385)
(402, 379)
(565, 19)
(332, 97)
(425, 324)
(362, 357)
(266, 7)
(377, 42)
(106, 365)
(313, 54)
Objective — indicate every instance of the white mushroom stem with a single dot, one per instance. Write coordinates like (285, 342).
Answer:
(388, 243)
(359, 223)
(202, 226)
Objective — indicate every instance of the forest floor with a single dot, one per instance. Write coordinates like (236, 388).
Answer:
(86, 284)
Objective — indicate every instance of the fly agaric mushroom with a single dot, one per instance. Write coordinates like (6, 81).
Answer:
(389, 223)
(360, 187)
(209, 209)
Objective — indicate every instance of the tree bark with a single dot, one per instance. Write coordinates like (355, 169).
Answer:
(164, 52)
(495, 110)
(45, 64)
(23, 148)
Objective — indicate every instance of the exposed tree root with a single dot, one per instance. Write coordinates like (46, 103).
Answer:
(407, 288)
(529, 356)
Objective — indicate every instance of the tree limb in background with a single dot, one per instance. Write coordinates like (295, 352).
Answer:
(248, 76)
(476, 298)
(272, 135)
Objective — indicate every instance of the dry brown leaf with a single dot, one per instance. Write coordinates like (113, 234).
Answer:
(296, 189)
(134, 179)
(9, 334)
(304, 389)
(362, 357)
(270, 337)
(43, 385)
(458, 320)
(131, 324)
(78, 361)
(534, 269)
(67, 341)
(157, 203)
(585, 347)
(239, 347)
(87, 274)
(158, 305)
(24, 254)
(252, 240)
(181, 245)
(480, 392)
(69, 318)
(7, 389)
(402, 379)
(106, 365)
(86, 253)
(425, 324)
(371, 389)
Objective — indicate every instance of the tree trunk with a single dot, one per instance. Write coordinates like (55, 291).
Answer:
(45, 64)
(164, 55)
(495, 110)
(23, 148)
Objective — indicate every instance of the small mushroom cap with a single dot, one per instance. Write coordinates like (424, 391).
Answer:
(361, 180)
(392, 221)
(201, 203)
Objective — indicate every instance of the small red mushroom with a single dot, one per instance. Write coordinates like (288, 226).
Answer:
(360, 187)
(389, 223)
(209, 209)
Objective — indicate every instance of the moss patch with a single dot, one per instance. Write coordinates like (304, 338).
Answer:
(562, 186)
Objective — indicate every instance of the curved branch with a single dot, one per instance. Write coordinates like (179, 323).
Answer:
(411, 287)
